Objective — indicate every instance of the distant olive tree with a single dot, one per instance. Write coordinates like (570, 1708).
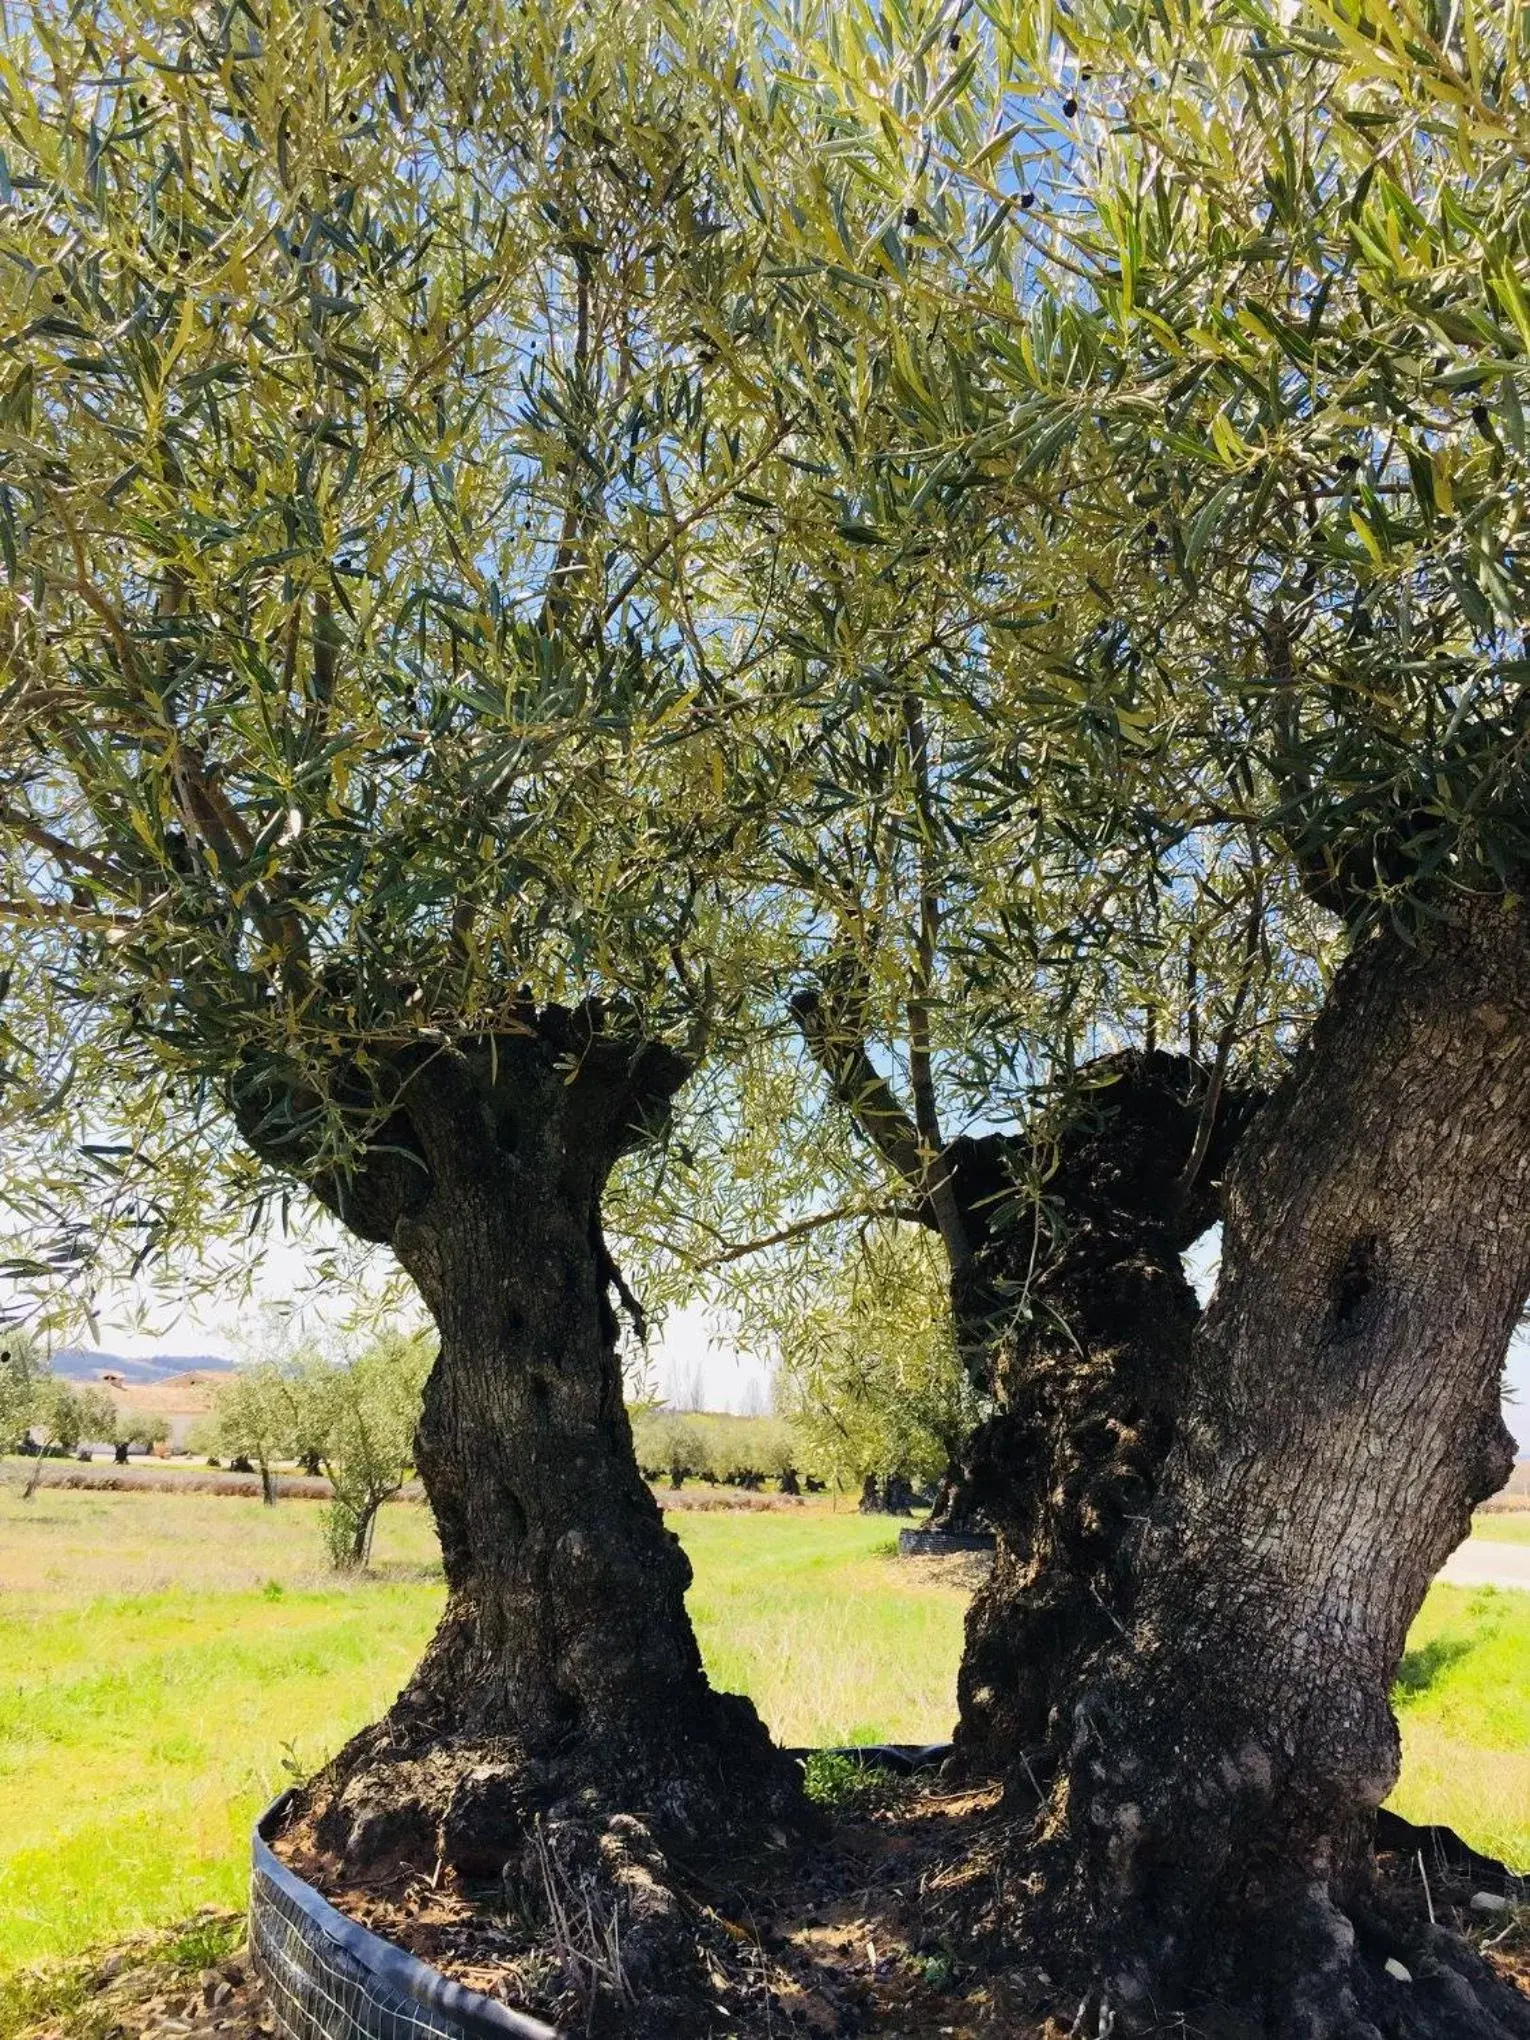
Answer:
(254, 1419)
(361, 1414)
(22, 1371)
(143, 1429)
(63, 1417)
(869, 1368)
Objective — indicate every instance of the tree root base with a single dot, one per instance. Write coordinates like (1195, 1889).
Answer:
(462, 1849)
(917, 1914)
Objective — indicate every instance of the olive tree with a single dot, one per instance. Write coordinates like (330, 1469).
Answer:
(1302, 429)
(63, 1417)
(362, 1412)
(129, 1429)
(1253, 285)
(254, 1419)
(869, 1372)
(377, 401)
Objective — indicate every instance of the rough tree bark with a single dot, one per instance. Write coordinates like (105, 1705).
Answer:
(1076, 1319)
(565, 1660)
(1225, 1756)
(1090, 1320)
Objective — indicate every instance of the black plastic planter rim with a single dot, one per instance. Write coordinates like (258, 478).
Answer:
(329, 1978)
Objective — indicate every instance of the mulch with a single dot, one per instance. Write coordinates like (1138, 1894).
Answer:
(869, 1933)
(851, 1936)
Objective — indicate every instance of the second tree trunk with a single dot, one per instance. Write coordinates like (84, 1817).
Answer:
(1226, 1754)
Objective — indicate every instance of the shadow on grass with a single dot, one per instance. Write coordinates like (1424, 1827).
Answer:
(1422, 1667)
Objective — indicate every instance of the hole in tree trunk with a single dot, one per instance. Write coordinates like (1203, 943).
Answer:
(1357, 1278)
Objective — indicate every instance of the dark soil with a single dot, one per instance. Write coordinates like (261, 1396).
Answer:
(893, 1926)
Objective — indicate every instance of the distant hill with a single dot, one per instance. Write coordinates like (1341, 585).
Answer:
(75, 1365)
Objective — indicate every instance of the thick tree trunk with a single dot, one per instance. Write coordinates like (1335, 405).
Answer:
(1076, 1319)
(564, 1663)
(1089, 1324)
(953, 1512)
(1341, 1417)
(566, 1612)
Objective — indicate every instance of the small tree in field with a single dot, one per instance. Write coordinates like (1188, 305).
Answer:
(133, 1431)
(362, 1415)
(255, 1418)
(869, 1368)
(63, 1416)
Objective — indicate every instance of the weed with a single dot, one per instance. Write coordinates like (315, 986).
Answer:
(584, 1930)
(70, 1995)
(832, 1779)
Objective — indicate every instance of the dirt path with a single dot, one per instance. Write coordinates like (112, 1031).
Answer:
(1481, 1562)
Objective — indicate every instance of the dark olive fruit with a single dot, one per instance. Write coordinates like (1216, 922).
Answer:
(1347, 464)
(1027, 200)
(1480, 417)
(911, 216)
(1070, 107)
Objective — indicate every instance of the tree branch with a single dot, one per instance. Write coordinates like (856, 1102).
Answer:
(703, 509)
(67, 853)
(858, 1085)
(1225, 1040)
(942, 1196)
(738, 1250)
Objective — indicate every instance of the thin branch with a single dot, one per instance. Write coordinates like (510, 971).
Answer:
(67, 853)
(703, 509)
(939, 1187)
(739, 1250)
(1228, 1035)
(565, 561)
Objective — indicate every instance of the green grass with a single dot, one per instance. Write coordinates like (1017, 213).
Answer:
(166, 1658)
(813, 1617)
(1463, 1701)
(1503, 1526)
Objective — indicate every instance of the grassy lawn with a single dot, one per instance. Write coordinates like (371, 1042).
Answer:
(1503, 1526)
(1464, 1703)
(166, 1658)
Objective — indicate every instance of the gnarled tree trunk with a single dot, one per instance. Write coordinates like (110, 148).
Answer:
(1341, 1417)
(1090, 1323)
(1076, 1320)
(565, 1659)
